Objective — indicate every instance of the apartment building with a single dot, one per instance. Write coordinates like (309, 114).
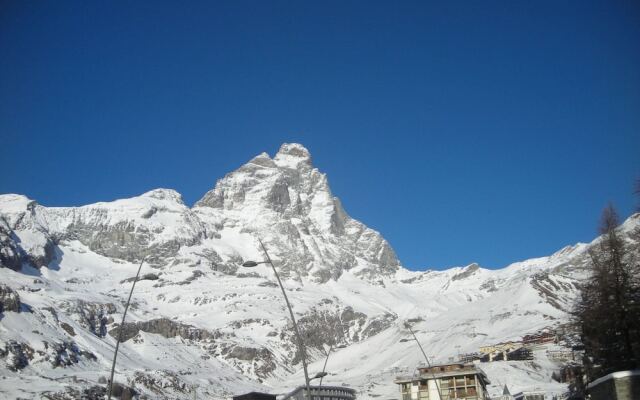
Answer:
(445, 382)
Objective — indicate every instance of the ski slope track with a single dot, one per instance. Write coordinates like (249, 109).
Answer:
(200, 322)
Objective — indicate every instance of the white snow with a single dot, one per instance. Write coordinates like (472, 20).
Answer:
(452, 313)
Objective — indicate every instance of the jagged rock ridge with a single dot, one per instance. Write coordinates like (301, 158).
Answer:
(197, 318)
(314, 235)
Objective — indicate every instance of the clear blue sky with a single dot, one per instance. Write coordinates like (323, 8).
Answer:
(463, 131)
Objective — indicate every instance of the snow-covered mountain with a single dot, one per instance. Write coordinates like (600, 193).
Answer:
(200, 322)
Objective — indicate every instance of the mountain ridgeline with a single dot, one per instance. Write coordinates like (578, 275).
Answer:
(199, 322)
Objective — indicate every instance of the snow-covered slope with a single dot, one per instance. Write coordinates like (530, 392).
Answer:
(200, 322)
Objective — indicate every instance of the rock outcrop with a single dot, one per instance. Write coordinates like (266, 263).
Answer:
(9, 299)
(164, 327)
(92, 316)
(17, 355)
(10, 252)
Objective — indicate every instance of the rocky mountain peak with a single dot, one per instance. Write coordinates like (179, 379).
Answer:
(261, 160)
(231, 322)
(275, 183)
(287, 195)
(16, 203)
(291, 155)
(164, 194)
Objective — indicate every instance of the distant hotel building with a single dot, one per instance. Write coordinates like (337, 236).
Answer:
(445, 382)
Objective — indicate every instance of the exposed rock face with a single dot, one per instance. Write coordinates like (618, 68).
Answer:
(553, 289)
(44, 258)
(160, 383)
(9, 299)
(17, 355)
(256, 361)
(164, 327)
(489, 286)
(131, 230)
(315, 236)
(68, 328)
(23, 222)
(262, 360)
(93, 316)
(156, 225)
(9, 250)
(65, 354)
(244, 353)
(378, 324)
(329, 324)
(146, 277)
(468, 271)
(94, 392)
(286, 195)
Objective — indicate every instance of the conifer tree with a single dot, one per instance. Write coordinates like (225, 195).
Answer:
(608, 310)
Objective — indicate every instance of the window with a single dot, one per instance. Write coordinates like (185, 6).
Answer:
(471, 380)
(405, 388)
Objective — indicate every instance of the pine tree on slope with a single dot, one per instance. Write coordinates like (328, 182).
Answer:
(608, 309)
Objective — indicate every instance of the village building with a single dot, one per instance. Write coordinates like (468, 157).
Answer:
(500, 347)
(322, 393)
(561, 355)
(445, 382)
(536, 395)
(573, 374)
(470, 357)
(543, 337)
(506, 394)
(504, 351)
(621, 385)
(255, 396)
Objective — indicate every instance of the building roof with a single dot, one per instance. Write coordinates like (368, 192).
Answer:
(505, 390)
(431, 373)
(255, 396)
(335, 392)
(526, 392)
(614, 375)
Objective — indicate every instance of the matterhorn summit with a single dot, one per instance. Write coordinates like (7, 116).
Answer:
(288, 203)
(200, 325)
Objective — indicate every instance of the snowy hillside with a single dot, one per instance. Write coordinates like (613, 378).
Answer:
(200, 322)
